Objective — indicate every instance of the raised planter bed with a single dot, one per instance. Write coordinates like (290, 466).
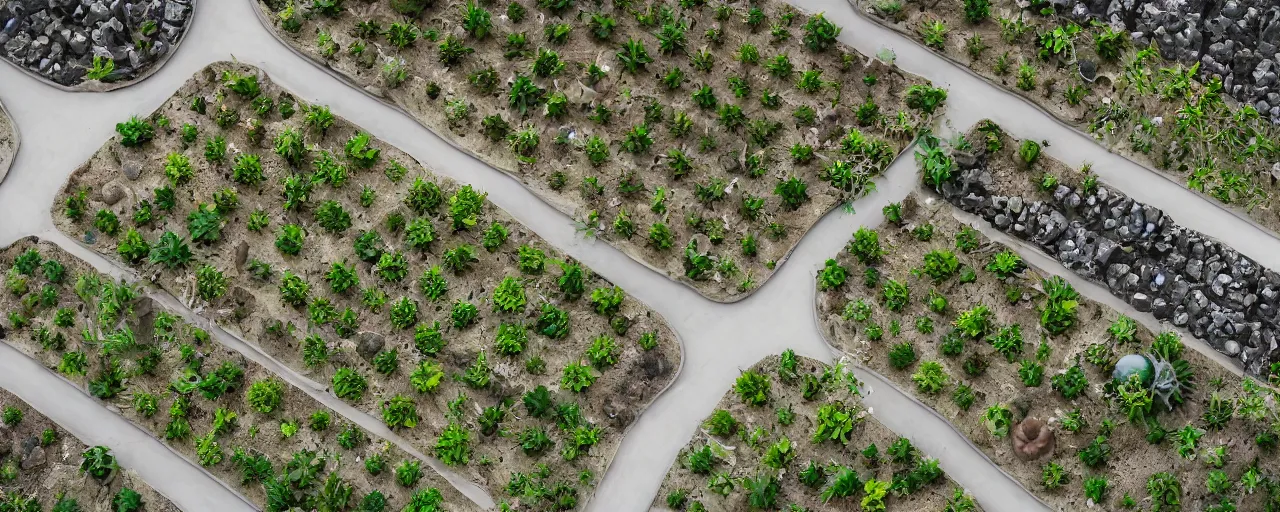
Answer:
(44, 465)
(666, 130)
(1140, 253)
(1023, 366)
(242, 424)
(1120, 92)
(448, 297)
(93, 46)
(793, 433)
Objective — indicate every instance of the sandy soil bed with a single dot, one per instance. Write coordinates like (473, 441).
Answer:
(182, 354)
(1138, 118)
(1131, 459)
(8, 142)
(750, 451)
(46, 460)
(640, 354)
(630, 182)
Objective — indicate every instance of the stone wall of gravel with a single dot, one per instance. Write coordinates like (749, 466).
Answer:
(1238, 40)
(58, 39)
(1144, 258)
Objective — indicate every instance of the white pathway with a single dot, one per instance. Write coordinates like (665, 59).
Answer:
(61, 130)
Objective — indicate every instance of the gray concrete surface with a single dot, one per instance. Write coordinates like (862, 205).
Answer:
(62, 130)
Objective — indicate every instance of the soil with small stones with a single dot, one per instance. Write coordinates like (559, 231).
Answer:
(8, 142)
(252, 306)
(1132, 458)
(47, 471)
(1108, 91)
(254, 432)
(746, 461)
(717, 226)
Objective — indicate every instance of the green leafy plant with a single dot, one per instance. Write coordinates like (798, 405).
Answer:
(930, 377)
(1059, 311)
(998, 419)
(1071, 383)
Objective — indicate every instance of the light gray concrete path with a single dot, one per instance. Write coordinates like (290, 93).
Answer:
(185, 484)
(61, 130)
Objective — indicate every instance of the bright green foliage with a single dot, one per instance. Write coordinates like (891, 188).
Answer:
(896, 295)
(902, 355)
(360, 151)
(998, 418)
(342, 278)
(1005, 263)
(509, 296)
(834, 423)
(453, 447)
(465, 208)
(1071, 383)
(463, 314)
(607, 301)
(866, 246)
(940, 264)
(1165, 491)
(511, 339)
(819, 33)
(333, 217)
(930, 377)
(135, 132)
(404, 313)
(204, 224)
(98, 462)
(1123, 329)
(133, 249)
(1053, 476)
(753, 388)
(290, 239)
(1008, 342)
(400, 411)
(210, 283)
(974, 322)
(832, 276)
(293, 290)
(577, 377)
(603, 352)
(349, 385)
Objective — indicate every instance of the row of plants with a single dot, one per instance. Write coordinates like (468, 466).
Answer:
(413, 298)
(1095, 78)
(1080, 404)
(692, 135)
(793, 435)
(279, 447)
(42, 467)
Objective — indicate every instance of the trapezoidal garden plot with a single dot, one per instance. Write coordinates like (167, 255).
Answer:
(692, 136)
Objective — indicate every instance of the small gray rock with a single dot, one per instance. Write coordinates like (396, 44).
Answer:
(1141, 302)
(131, 168)
(368, 344)
(113, 193)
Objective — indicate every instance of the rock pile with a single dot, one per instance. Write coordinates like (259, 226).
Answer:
(1238, 40)
(58, 39)
(1144, 258)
